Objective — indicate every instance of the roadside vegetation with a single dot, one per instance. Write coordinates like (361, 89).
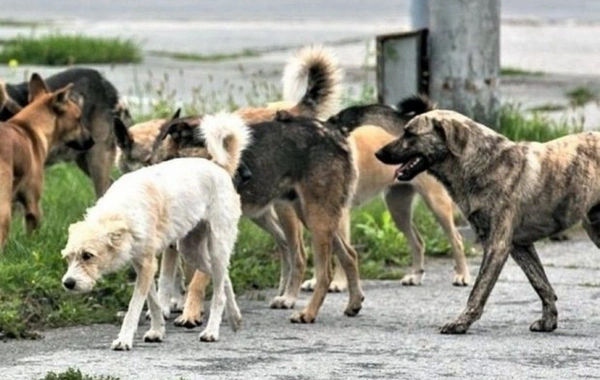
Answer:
(61, 49)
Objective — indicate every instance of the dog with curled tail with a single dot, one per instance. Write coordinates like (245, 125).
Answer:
(188, 201)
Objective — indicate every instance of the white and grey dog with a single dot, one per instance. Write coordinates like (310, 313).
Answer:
(191, 201)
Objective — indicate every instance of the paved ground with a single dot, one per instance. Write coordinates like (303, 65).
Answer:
(395, 335)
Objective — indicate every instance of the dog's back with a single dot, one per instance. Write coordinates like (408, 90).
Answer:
(177, 194)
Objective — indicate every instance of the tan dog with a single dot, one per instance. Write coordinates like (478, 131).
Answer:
(512, 193)
(25, 140)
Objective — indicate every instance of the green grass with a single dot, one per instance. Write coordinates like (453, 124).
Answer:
(62, 49)
(580, 96)
(246, 53)
(513, 71)
(515, 125)
(75, 374)
(548, 107)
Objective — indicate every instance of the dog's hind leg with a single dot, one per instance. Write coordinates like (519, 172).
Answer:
(157, 322)
(529, 261)
(166, 279)
(296, 257)
(233, 311)
(348, 260)
(145, 268)
(438, 200)
(399, 199)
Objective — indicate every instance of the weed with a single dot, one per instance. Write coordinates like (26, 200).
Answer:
(580, 96)
(513, 71)
(518, 127)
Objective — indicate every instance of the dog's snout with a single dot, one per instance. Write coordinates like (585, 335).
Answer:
(69, 283)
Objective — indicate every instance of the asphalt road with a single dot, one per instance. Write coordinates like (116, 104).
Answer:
(395, 335)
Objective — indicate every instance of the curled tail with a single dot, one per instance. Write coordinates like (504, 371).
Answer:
(226, 136)
(316, 70)
(415, 105)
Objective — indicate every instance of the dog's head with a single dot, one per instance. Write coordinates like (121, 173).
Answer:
(64, 108)
(177, 138)
(428, 139)
(135, 143)
(93, 249)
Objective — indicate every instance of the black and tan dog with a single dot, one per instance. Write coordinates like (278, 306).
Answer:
(303, 163)
(513, 194)
(50, 119)
(101, 104)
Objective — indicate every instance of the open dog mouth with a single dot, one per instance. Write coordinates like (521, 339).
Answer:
(410, 168)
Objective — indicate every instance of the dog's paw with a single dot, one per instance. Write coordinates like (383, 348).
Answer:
(302, 317)
(154, 336)
(544, 325)
(235, 322)
(456, 327)
(461, 279)
(282, 302)
(338, 286)
(177, 304)
(309, 285)
(412, 279)
(188, 322)
(209, 336)
(121, 345)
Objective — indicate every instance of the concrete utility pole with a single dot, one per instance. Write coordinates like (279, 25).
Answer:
(464, 53)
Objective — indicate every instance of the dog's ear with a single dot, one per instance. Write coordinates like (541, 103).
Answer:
(455, 133)
(177, 114)
(181, 132)
(118, 231)
(37, 87)
(124, 139)
(61, 97)
(7, 102)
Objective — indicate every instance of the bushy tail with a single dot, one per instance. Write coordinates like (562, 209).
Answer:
(316, 70)
(226, 136)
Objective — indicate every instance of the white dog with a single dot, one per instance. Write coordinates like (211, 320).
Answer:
(191, 201)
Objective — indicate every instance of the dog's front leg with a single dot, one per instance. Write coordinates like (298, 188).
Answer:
(496, 252)
(157, 321)
(529, 261)
(145, 269)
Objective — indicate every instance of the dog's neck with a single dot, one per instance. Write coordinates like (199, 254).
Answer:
(39, 125)
(461, 175)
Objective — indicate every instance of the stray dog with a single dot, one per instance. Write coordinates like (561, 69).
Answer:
(191, 201)
(51, 118)
(377, 125)
(320, 70)
(513, 194)
(100, 105)
(304, 164)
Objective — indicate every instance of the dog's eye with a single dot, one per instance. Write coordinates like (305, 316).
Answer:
(408, 133)
(86, 256)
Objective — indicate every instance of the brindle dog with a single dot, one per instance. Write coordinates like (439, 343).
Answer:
(51, 118)
(513, 194)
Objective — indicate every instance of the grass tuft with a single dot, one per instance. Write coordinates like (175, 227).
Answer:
(580, 96)
(75, 374)
(515, 125)
(513, 71)
(61, 49)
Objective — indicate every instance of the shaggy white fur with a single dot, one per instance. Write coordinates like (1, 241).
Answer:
(191, 201)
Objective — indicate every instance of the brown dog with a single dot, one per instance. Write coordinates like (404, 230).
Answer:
(512, 193)
(50, 118)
